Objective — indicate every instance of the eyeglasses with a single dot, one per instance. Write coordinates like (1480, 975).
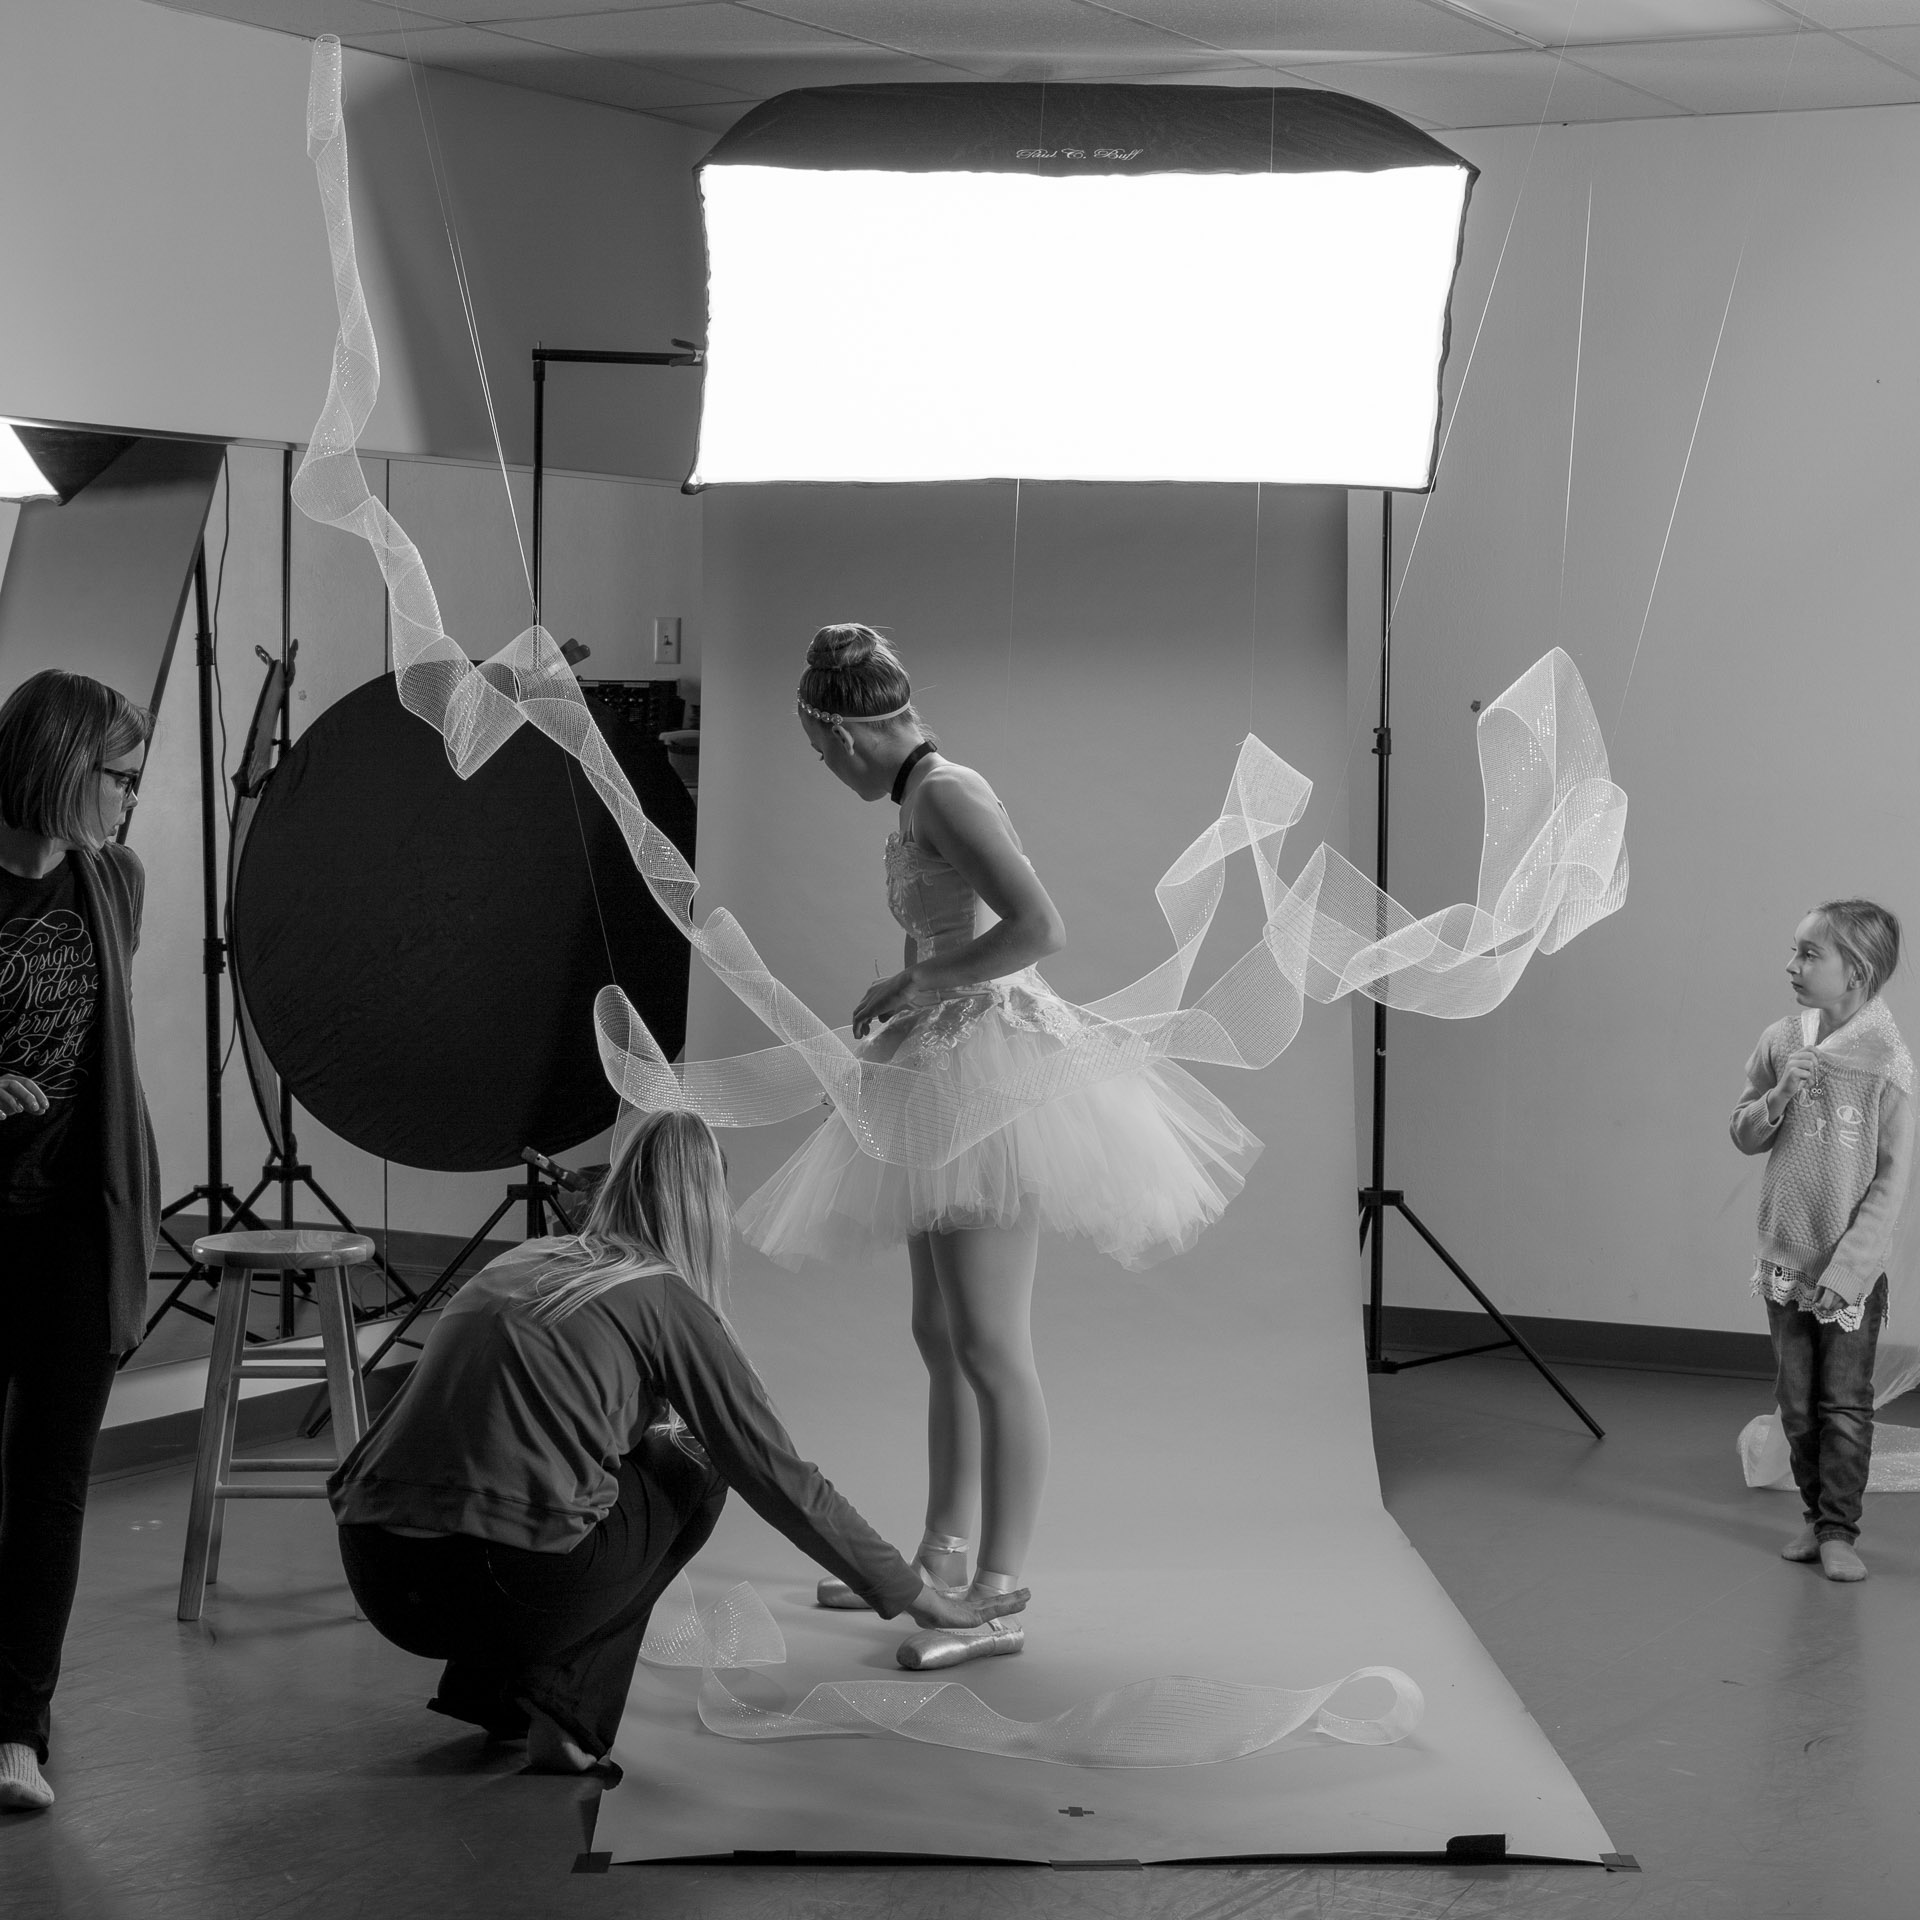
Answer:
(125, 778)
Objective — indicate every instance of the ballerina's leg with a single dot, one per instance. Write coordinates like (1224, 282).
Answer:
(985, 1277)
(953, 1424)
(985, 1280)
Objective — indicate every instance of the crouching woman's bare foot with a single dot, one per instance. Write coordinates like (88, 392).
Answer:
(550, 1749)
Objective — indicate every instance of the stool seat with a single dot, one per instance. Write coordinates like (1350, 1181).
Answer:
(283, 1250)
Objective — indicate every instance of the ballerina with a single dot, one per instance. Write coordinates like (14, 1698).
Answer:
(1139, 1162)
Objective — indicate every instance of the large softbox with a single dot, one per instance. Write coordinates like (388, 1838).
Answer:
(1077, 283)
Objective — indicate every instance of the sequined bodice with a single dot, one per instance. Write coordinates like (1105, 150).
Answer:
(932, 901)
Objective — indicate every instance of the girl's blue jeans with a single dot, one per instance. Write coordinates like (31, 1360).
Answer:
(1823, 1380)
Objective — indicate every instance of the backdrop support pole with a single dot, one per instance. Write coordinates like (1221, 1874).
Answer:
(1378, 1198)
(688, 356)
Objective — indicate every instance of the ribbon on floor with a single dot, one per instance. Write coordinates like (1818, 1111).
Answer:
(1176, 1721)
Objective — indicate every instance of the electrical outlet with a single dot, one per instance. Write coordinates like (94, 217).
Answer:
(666, 640)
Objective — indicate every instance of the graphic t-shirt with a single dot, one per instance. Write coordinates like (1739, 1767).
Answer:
(49, 1005)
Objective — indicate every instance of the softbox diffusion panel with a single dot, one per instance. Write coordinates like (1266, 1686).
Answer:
(96, 585)
(420, 953)
(1077, 283)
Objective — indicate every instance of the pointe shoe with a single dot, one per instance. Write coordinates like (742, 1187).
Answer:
(1838, 1561)
(955, 1646)
(836, 1593)
(23, 1787)
(1803, 1548)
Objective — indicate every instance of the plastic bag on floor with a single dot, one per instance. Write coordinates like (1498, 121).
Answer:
(1896, 1456)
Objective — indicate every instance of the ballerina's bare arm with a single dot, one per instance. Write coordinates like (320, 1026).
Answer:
(957, 817)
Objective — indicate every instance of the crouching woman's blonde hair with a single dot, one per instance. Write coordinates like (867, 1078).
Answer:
(663, 1203)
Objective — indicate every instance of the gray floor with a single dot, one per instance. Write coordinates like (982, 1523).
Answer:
(1749, 1732)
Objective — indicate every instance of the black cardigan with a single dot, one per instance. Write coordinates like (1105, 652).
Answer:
(113, 885)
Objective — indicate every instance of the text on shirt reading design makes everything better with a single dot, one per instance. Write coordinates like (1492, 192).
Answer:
(48, 985)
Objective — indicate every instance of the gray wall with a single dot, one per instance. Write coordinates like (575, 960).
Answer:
(168, 264)
(1572, 1147)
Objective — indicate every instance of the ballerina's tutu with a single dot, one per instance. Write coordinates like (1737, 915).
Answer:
(1139, 1162)
(1138, 1157)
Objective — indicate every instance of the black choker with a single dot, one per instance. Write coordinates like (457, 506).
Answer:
(907, 766)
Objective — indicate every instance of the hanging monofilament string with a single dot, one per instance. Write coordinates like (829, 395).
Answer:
(1013, 590)
(1573, 420)
(1466, 372)
(1706, 387)
(436, 166)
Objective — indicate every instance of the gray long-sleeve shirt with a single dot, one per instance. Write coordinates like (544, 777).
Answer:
(512, 1428)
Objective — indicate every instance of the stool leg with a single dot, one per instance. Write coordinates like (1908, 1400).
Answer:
(216, 1442)
(345, 1393)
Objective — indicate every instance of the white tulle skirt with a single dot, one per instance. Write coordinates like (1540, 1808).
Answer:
(1140, 1163)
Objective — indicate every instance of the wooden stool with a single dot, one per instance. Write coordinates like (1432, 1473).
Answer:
(238, 1257)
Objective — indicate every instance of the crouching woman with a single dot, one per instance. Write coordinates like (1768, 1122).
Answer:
(564, 1448)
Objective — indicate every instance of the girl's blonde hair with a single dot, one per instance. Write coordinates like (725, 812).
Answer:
(663, 1203)
(1866, 936)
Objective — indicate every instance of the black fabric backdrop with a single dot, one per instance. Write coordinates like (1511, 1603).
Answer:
(420, 953)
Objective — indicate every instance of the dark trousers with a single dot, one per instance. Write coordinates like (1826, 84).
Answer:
(559, 1632)
(1823, 1381)
(55, 1374)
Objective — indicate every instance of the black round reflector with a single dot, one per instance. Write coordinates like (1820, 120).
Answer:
(420, 953)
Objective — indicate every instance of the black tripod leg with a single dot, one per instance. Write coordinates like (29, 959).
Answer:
(1505, 1325)
(379, 1259)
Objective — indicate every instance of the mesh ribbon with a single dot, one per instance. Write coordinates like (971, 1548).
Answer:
(1177, 1721)
(1552, 861)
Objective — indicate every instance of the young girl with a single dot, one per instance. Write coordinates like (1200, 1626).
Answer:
(526, 1497)
(1829, 1100)
(1139, 1162)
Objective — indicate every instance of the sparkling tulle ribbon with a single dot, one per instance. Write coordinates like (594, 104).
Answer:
(1552, 863)
(1177, 1721)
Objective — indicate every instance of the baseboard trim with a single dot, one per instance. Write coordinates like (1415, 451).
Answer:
(1586, 1343)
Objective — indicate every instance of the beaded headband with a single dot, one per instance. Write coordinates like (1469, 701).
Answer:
(838, 719)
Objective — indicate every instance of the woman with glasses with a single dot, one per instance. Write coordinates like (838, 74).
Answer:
(79, 1177)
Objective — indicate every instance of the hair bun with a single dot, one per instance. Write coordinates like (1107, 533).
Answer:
(845, 645)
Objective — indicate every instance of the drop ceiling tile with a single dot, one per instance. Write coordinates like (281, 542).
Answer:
(504, 13)
(1901, 45)
(707, 27)
(310, 18)
(1320, 29)
(1487, 90)
(1585, 22)
(1756, 74)
(520, 63)
(988, 37)
(1847, 14)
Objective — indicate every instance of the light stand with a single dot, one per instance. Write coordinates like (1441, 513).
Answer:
(269, 740)
(223, 1205)
(539, 1190)
(1377, 1198)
